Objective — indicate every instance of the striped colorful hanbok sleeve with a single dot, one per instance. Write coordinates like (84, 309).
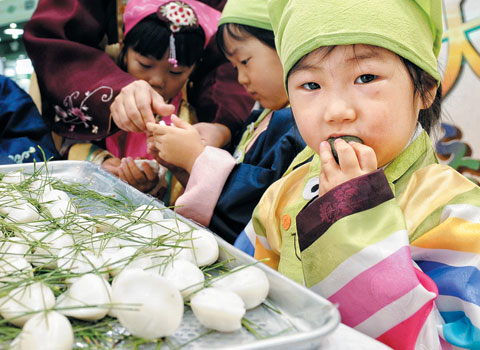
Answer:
(446, 246)
(246, 240)
(257, 246)
(356, 250)
(253, 239)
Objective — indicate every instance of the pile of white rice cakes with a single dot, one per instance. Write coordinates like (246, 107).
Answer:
(58, 263)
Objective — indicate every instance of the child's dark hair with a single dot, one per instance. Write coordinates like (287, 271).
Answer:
(264, 35)
(422, 83)
(151, 37)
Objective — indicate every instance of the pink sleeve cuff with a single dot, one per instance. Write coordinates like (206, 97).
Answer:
(209, 174)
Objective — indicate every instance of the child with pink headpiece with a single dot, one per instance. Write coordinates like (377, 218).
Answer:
(163, 40)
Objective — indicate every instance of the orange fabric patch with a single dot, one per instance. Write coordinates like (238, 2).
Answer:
(268, 257)
(286, 221)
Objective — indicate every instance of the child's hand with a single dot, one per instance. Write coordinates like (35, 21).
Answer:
(111, 165)
(213, 134)
(142, 180)
(135, 106)
(151, 149)
(179, 145)
(355, 160)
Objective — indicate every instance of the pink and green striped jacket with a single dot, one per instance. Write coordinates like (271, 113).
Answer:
(397, 249)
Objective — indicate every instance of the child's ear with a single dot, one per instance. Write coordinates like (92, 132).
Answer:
(430, 94)
(428, 87)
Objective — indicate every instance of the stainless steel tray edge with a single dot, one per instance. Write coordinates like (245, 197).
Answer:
(283, 290)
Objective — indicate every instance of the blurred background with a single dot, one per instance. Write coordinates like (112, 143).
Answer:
(14, 62)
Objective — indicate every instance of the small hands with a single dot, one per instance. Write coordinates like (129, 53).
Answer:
(111, 165)
(127, 170)
(355, 160)
(135, 106)
(180, 144)
(144, 180)
(214, 134)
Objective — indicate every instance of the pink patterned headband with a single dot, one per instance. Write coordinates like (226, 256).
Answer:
(180, 15)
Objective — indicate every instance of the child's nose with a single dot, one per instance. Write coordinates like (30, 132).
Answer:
(242, 78)
(340, 110)
(157, 81)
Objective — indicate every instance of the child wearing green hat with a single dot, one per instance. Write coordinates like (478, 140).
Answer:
(225, 185)
(387, 233)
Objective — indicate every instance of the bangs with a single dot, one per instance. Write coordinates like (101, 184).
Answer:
(240, 32)
(151, 37)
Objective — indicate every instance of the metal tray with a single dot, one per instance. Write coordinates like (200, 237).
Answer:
(304, 317)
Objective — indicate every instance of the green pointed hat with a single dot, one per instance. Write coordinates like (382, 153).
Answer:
(410, 28)
(253, 13)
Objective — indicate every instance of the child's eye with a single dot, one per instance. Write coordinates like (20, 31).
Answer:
(244, 62)
(311, 86)
(365, 78)
(146, 66)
